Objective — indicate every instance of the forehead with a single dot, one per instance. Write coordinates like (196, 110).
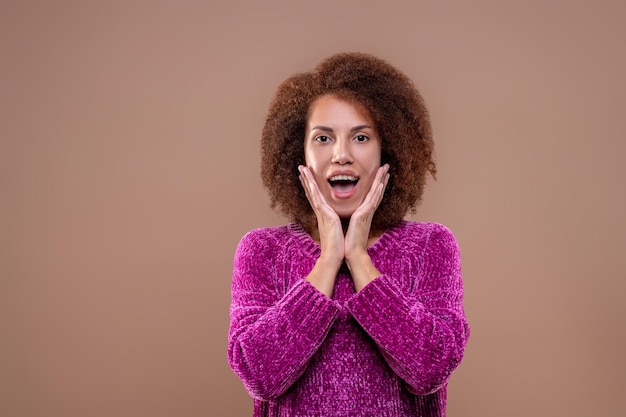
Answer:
(331, 108)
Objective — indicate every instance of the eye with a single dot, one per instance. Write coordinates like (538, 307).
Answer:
(361, 138)
(322, 138)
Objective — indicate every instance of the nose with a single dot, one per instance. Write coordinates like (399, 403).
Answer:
(341, 152)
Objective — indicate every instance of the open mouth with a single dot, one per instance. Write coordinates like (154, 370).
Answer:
(343, 183)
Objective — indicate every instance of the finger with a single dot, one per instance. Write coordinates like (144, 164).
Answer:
(314, 192)
(384, 180)
(375, 194)
(383, 187)
(315, 197)
(305, 184)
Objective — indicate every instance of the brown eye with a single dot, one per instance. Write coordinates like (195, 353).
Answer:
(361, 138)
(322, 139)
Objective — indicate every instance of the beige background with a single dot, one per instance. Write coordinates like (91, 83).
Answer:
(129, 171)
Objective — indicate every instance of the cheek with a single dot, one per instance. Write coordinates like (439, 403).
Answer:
(309, 159)
(312, 160)
(374, 159)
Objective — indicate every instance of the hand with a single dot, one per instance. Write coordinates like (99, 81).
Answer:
(335, 247)
(357, 236)
(331, 238)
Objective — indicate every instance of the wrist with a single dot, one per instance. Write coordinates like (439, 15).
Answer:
(329, 260)
(357, 256)
(362, 270)
(323, 275)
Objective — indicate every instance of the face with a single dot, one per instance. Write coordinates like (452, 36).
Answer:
(342, 149)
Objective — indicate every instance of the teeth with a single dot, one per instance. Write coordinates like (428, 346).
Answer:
(343, 178)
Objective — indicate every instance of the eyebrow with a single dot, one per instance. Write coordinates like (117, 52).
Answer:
(354, 129)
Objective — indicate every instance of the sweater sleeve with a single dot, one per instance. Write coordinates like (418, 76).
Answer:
(273, 334)
(422, 334)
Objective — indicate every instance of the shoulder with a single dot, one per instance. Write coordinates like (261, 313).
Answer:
(268, 240)
(441, 249)
(264, 233)
(262, 239)
(422, 232)
(265, 249)
(256, 250)
(427, 239)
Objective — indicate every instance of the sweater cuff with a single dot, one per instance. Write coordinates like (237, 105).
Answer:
(311, 309)
(378, 305)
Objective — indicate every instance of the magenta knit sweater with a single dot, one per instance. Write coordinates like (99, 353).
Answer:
(386, 351)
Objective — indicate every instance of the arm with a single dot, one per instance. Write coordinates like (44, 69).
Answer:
(272, 336)
(421, 335)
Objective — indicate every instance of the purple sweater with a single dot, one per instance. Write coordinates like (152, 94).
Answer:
(386, 351)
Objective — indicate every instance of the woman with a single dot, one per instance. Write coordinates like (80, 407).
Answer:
(348, 310)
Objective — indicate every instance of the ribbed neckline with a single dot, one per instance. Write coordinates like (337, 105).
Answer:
(310, 247)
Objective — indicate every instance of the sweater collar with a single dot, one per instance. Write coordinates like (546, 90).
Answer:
(386, 241)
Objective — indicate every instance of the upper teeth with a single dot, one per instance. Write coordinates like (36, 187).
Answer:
(343, 178)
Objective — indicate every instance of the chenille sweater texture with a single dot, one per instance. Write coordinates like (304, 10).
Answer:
(385, 351)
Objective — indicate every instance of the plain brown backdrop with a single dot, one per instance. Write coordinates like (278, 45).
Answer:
(129, 171)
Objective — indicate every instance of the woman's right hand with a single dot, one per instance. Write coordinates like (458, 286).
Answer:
(331, 237)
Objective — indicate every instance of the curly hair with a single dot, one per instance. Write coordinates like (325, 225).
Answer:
(400, 117)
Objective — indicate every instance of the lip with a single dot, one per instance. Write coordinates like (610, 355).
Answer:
(343, 195)
(342, 172)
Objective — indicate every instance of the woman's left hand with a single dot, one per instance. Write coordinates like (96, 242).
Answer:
(357, 236)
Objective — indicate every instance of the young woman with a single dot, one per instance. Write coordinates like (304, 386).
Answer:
(348, 310)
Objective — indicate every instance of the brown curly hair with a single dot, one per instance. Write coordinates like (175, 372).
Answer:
(400, 117)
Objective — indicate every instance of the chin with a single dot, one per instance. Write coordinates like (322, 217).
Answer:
(345, 214)
(346, 208)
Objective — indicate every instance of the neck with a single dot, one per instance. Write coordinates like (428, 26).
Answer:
(345, 223)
